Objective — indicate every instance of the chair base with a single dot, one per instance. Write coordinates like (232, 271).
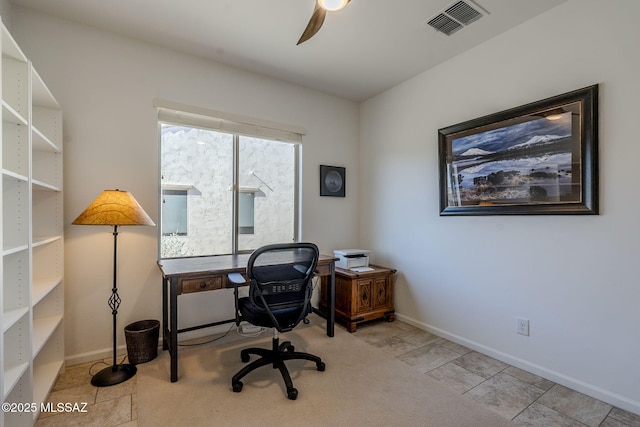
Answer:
(275, 357)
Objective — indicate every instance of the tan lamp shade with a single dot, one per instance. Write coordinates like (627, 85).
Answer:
(114, 207)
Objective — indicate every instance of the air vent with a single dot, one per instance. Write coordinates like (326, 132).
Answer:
(464, 13)
(444, 24)
(455, 17)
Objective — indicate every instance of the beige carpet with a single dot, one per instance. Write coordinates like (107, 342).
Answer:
(362, 386)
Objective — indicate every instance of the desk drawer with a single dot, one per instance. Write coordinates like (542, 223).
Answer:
(201, 284)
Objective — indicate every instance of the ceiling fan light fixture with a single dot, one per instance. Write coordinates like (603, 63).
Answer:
(332, 5)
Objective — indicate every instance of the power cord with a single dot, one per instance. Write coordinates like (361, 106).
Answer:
(207, 342)
(104, 363)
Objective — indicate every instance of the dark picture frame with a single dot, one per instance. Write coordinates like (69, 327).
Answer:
(539, 158)
(332, 181)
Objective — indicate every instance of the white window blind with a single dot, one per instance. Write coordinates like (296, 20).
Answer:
(227, 122)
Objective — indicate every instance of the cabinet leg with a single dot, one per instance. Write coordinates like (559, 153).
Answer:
(351, 326)
(390, 317)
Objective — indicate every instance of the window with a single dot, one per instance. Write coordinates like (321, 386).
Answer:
(174, 212)
(224, 192)
(246, 216)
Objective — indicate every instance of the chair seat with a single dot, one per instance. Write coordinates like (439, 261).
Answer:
(259, 317)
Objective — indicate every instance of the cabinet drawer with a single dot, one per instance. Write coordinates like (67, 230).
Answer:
(201, 284)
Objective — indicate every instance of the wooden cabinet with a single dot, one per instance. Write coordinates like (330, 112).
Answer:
(362, 296)
(32, 295)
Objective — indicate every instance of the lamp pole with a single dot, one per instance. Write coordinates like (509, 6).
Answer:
(114, 301)
(116, 373)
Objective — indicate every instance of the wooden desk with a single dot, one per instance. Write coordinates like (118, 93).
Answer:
(200, 274)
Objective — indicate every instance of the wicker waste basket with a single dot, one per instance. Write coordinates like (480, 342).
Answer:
(142, 341)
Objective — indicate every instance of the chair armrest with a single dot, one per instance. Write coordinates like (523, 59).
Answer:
(236, 278)
(301, 268)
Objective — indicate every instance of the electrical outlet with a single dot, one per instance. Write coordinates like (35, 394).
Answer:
(522, 326)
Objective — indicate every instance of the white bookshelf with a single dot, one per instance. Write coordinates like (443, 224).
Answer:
(32, 297)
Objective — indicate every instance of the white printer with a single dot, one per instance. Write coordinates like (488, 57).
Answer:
(351, 258)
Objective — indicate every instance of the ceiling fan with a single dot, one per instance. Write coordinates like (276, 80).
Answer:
(317, 18)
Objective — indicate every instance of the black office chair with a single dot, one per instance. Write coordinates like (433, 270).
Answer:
(279, 297)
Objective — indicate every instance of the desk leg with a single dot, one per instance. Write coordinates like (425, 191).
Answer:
(331, 302)
(165, 313)
(173, 333)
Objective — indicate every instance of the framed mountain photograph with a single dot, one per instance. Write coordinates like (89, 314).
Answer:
(540, 158)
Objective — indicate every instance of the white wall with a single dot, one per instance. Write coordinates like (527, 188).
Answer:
(5, 13)
(106, 85)
(468, 278)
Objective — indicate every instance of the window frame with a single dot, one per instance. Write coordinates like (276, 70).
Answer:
(254, 130)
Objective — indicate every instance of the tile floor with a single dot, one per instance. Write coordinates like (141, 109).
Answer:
(524, 398)
(106, 406)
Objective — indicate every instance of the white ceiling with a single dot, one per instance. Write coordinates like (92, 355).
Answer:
(368, 47)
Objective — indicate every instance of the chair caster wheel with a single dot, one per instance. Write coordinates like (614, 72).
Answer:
(237, 387)
(291, 349)
(321, 366)
(244, 357)
(292, 393)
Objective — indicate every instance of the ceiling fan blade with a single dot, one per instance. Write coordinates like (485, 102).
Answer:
(316, 21)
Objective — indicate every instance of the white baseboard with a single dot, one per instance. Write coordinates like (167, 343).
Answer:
(557, 377)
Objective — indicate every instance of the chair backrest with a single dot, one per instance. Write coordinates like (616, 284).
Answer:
(280, 281)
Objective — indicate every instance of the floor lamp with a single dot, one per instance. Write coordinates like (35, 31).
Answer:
(114, 207)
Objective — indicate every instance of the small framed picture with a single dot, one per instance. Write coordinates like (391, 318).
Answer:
(332, 181)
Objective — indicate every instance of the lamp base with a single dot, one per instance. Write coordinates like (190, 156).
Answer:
(113, 375)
